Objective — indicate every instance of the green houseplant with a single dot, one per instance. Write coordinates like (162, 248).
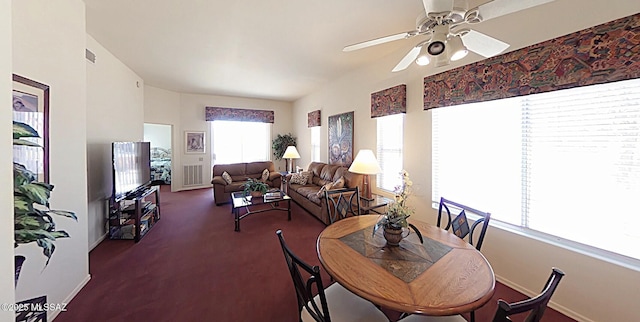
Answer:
(394, 220)
(280, 144)
(32, 215)
(255, 186)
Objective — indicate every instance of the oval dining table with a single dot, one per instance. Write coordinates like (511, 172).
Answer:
(443, 275)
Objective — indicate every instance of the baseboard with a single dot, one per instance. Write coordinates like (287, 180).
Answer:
(564, 310)
(97, 242)
(73, 294)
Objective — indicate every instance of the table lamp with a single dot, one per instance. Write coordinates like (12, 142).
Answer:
(291, 153)
(365, 163)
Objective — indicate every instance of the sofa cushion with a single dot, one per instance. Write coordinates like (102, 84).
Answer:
(257, 167)
(316, 168)
(227, 178)
(328, 171)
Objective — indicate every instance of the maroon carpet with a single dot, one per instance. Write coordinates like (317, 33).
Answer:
(192, 266)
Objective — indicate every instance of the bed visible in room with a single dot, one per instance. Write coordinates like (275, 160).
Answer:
(160, 165)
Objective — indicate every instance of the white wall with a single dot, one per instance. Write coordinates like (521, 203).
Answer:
(158, 134)
(48, 47)
(115, 96)
(6, 165)
(160, 107)
(593, 290)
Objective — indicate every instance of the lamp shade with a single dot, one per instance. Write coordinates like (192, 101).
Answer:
(291, 153)
(365, 163)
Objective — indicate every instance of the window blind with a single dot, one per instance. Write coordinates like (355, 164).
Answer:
(390, 139)
(565, 163)
(315, 144)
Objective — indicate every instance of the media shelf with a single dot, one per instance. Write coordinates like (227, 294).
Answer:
(133, 216)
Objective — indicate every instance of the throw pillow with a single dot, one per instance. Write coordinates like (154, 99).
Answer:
(265, 175)
(338, 184)
(324, 188)
(227, 177)
(300, 178)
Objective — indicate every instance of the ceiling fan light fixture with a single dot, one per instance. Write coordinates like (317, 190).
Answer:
(423, 58)
(457, 48)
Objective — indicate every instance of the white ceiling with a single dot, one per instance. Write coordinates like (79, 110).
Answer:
(286, 49)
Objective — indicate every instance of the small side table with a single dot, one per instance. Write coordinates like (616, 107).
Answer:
(376, 205)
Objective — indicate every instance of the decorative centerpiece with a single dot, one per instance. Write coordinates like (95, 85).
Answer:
(394, 221)
(255, 188)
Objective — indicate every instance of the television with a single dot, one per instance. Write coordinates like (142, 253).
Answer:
(131, 168)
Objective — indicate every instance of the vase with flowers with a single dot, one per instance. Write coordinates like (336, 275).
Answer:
(394, 221)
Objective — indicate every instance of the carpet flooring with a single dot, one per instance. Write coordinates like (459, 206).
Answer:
(192, 266)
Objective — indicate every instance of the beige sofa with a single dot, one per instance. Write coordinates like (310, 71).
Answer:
(306, 195)
(239, 173)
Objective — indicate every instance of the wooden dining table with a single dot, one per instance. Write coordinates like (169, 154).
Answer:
(443, 275)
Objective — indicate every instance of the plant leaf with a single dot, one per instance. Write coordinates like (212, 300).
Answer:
(60, 234)
(22, 130)
(64, 213)
(21, 175)
(21, 204)
(26, 142)
(37, 192)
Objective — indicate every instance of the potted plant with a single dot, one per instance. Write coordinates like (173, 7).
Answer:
(394, 220)
(280, 144)
(31, 213)
(254, 187)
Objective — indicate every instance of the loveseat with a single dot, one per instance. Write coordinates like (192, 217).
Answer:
(319, 175)
(239, 173)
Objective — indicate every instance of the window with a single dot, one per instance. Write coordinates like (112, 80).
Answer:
(234, 142)
(565, 163)
(389, 150)
(315, 144)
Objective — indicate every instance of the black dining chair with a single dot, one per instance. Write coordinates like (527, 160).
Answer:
(343, 305)
(535, 305)
(459, 224)
(342, 203)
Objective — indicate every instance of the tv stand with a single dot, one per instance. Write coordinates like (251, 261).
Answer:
(133, 216)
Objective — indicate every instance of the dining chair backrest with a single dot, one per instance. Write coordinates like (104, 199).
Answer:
(536, 305)
(459, 225)
(306, 288)
(342, 203)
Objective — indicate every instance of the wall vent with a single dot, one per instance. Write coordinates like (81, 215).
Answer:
(192, 175)
(90, 55)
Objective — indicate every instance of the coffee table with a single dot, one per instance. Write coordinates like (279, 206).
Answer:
(239, 201)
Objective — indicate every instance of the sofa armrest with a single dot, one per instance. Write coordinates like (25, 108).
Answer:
(274, 175)
(218, 180)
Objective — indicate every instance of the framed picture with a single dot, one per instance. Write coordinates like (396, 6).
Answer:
(194, 142)
(32, 310)
(31, 106)
(341, 139)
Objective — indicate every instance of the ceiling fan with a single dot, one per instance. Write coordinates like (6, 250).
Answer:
(445, 23)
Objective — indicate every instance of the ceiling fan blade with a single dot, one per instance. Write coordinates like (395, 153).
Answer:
(482, 44)
(497, 8)
(379, 41)
(408, 59)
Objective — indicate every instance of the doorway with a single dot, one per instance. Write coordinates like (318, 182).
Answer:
(159, 135)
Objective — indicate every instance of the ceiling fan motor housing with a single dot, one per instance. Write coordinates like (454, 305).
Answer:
(438, 41)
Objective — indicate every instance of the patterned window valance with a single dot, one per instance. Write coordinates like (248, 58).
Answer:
(605, 53)
(238, 114)
(389, 101)
(313, 118)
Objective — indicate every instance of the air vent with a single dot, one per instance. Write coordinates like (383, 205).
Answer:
(90, 55)
(192, 175)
